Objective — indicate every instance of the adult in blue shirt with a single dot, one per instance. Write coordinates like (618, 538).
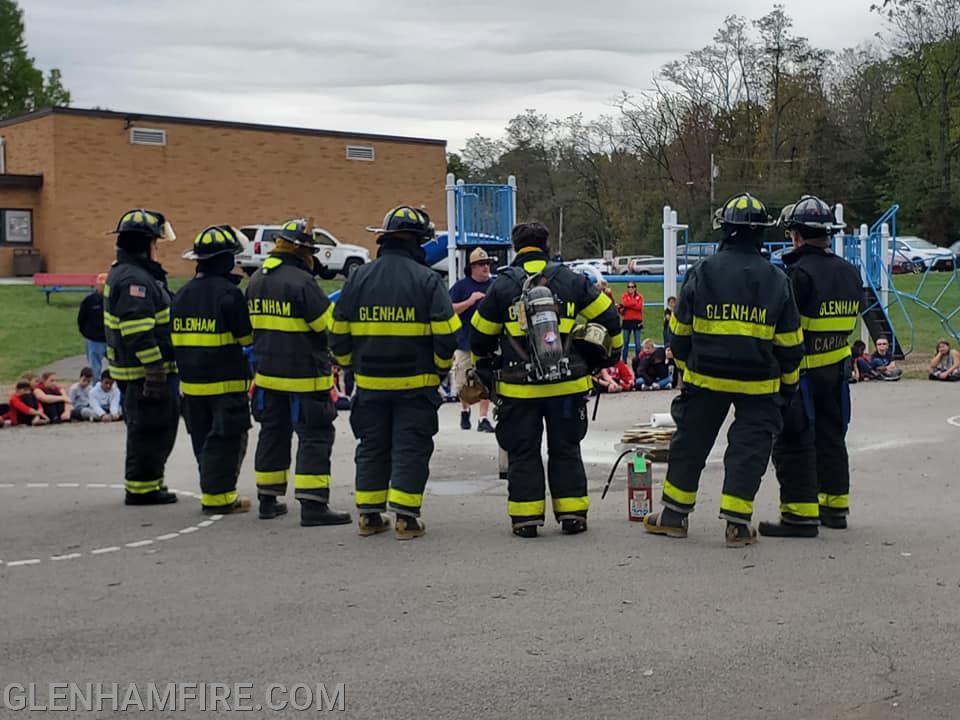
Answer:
(465, 296)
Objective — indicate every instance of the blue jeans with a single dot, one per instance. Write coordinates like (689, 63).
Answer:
(637, 333)
(95, 354)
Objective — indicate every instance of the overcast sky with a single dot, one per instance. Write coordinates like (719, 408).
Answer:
(429, 68)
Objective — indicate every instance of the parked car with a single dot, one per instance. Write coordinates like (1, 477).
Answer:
(621, 264)
(335, 256)
(924, 254)
(654, 266)
(597, 263)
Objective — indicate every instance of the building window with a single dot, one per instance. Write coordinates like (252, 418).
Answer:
(360, 152)
(16, 227)
(147, 136)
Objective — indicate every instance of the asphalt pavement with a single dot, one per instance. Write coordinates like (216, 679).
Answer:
(472, 621)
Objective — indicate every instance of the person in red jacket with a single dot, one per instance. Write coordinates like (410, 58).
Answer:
(631, 308)
(24, 407)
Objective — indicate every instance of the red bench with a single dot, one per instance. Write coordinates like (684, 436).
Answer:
(64, 282)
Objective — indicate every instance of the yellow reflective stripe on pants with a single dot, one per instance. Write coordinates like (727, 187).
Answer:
(140, 487)
(828, 324)
(533, 508)
(310, 482)
(732, 503)
(824, 359)
(679, 328)
(571, 504)
(733, 327)
(788, 339)
(409, 382)
(399, 497)
(487, 327)
(441, 363)
(223, 387)
(220, 500)
(371, 497)
(532, 392)
(271, 477)
(446, 327)
(597, 307)
(295, 385)
(196, 339)
(150, 355)
(835, 502)
(324, 322)
(804, 510)
(280, 324)
(743, 387)
(790, 378)
(683, 497)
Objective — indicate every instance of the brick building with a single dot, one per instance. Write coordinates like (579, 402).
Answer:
(66, 176)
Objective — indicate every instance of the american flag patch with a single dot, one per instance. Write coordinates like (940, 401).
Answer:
(138, 291)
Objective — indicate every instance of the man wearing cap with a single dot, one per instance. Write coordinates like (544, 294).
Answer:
(465, 296)
(90, 323)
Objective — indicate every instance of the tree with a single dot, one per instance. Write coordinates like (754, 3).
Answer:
(23, 87)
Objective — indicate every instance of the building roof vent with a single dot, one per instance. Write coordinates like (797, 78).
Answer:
(360, 152)
(147, 136)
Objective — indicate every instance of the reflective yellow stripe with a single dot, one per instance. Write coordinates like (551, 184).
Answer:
(137, 487)
(390, 329)
(221, 500)
(340, 327)
(684, 497)
(215, 388)
(310, 482)
(202, 339)
(828, 324)
(132, 327)
(568, 387)
(323, 323)
(733, 504)
(170, 366)
(732, 327)
(513, 328)
(163, 317)
(744, 387)
(679, 328)
(111, 322)
(835, 502)
(534, 508)
(271, 477)
(127, 373)
(281, 324)
(409, 382)
(827, 358)
(805, 510)
(617, 341)
(571, 504)
(441, 363)
(566, 325)
(788, 339)
(296, 385)
(399, 497)
(596, 307)
(371, 497)
(487, 327)
(446, 327)
(790, 378)
(150, 355)
(343, 360)
(244, 339)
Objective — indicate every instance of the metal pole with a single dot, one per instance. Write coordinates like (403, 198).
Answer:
(560, 234)
(864, 239)
(838, 235)
(451, 229)
(669, 251)
(713, 184)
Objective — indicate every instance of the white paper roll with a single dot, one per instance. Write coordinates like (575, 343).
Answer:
(662, 420)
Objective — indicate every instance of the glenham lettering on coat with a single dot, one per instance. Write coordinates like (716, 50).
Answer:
(194, 324)
(839, 307)
(267, 306)
(387, 313)
(743, 313)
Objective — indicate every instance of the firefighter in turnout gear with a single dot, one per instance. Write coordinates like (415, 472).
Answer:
(395, 326)
(210, 329)
(528, 316)
(136, 316)
(291, 318)
(737, 338)
(810, 454)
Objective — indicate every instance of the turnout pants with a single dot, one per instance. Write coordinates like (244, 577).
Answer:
(311, 416)
(151, 433)
(699, 414)
(520, 432)
(218, 426)
(811, 453)
(395, 432)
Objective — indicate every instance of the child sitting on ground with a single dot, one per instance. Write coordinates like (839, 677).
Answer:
(105, 399)
(79, 394)
(24, 407)
(56, 405)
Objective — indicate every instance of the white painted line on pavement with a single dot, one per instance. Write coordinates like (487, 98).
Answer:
(68, 556)
(38, 485)
(7, 485)
(103, 551)
(96, 485)
(955, 420)
(168, 536)
(205, 523)
(68, 484)
(117, 487)
(139, 543)
(188, 530)
(16, 563)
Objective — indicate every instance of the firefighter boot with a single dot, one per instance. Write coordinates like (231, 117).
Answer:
(464, 419)
(409, 527)
(787, 529)
(833, 520)
(240, 505)
(372, 523)
(666, 522)
(270, 507)
(740, 534)
(573, 526)
(155, 497)
(525, 531)
(313, 514)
